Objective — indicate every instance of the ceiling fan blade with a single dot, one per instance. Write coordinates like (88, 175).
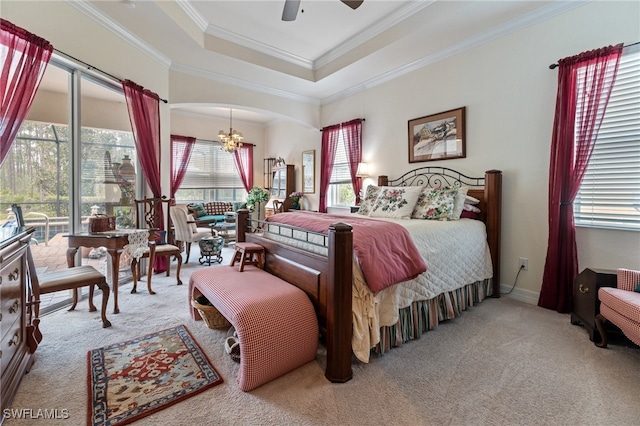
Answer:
(290, 10)
(353, 4)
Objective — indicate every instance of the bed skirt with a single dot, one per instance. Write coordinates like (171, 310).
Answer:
(425, 315)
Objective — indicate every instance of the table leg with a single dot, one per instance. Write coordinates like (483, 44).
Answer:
(115, 271)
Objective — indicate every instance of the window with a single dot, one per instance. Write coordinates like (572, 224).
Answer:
(340, 186)
(211, 176)
(609, 196)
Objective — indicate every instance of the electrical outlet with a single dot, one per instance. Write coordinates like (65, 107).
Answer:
(523, 263)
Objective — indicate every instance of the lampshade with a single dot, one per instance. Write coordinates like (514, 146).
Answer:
(362, 170)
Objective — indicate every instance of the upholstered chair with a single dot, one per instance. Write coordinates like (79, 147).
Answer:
(620, 305)
(185, 228)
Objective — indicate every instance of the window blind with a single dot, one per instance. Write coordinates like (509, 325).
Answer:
(609, 196)
(340, 172)
(211, 167)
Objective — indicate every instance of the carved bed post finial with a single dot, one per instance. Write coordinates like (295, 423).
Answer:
(339, 282)
(493, 194)
(241, 225)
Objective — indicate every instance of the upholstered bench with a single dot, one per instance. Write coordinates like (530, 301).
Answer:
(275, 321)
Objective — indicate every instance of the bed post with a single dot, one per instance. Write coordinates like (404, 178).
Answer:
(493, 197)
(339, 310)
(383, 180)
(241, 225)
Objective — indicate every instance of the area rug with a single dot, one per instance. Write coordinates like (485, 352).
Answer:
(133, 379)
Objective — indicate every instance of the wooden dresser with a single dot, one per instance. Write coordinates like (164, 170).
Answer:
(585, 297)
(15, 358)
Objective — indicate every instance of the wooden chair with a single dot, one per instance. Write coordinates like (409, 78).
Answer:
(65, 279)
(154, 214)
(278, 206)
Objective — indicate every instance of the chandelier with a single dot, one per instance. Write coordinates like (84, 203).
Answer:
(230, 141)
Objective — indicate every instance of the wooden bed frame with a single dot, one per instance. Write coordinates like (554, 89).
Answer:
(327, 280)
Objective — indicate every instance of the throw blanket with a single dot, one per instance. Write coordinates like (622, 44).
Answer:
(385, 251)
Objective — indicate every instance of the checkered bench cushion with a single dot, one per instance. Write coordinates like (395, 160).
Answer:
(621, 305)
(275, 321)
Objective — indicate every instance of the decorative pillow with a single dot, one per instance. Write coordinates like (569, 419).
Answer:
(458, 203)
(396, 202)
(435, 204)
(197, 209)
(370, 197)
(470, 208)
(637, 289)
(468, 214)
(471, 200)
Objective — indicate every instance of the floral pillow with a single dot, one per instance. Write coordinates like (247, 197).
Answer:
(396, 202)
(370, 197)
(435, 204)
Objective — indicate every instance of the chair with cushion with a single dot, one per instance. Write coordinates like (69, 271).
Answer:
(620, 305)
(154, 214)
(185, 228)
(64, 279)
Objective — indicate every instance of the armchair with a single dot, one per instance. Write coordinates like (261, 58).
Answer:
(185, 228)
(621, 306)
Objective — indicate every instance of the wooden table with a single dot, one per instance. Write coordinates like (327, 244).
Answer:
(114, 243)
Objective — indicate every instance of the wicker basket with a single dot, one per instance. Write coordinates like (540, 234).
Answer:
(211, 316)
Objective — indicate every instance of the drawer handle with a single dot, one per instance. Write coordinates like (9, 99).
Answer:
(15, 275)
(14, 308)
(583, 289)
(15, 339)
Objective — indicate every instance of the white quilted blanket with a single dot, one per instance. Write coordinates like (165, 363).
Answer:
(456, 254)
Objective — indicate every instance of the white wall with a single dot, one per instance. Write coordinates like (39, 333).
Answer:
(509, 93)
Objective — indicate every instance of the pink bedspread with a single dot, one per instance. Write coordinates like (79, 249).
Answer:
(385, 250)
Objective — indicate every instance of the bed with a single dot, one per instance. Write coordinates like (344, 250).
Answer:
(355, 320)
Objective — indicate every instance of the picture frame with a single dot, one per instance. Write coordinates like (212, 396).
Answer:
(309, 171)
(438, 136)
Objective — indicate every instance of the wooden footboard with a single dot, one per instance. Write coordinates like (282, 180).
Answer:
(327, 280)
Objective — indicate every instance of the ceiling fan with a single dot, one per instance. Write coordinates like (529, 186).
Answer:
(291, 7)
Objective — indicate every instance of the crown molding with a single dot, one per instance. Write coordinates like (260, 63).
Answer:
(243, 84)
(509, 27)
(95, 14)
(367, 34)
(193, 14)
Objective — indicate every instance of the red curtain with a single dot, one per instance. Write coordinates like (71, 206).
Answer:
(330, 136)
(352, 133)
(584, 87)
(181, 148)
(24, 59)
(244, 163)
(144, 113)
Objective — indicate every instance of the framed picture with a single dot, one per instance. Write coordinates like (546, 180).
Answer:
(309, 171)
(438, 136)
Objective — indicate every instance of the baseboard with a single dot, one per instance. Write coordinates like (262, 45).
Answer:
(526, 296)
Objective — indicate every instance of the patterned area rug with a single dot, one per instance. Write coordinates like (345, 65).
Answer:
(133, 379)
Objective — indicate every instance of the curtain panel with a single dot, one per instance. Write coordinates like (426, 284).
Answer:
(181, 148)
(584, 87)
(352, 133)
(243, 158)
(144, 113)
(24, 59)
(328, 149)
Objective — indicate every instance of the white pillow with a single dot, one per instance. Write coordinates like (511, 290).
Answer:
(471, 200)
(396, 202)
(435, 204)
(370, 197)
(459, 202)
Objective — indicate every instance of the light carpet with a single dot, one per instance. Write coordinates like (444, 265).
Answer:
(133, 379)
(503, 362)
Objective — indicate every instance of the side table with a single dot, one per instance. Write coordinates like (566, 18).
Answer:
(585, 297)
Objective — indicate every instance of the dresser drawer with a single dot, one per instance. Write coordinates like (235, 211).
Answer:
(10, 343)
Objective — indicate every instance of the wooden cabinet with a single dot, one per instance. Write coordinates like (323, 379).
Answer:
(585, 297)
(15, 358)
(284, 183)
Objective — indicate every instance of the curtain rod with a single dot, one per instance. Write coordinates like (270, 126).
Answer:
(554, 66)
(91, 67)
(326, 127)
